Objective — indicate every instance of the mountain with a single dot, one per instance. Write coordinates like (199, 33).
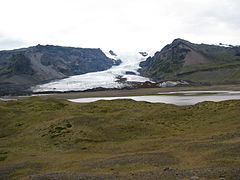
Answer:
(197, 63)
(144, 54)
(22, 68)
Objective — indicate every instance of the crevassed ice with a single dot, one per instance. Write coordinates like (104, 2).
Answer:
(104, 79)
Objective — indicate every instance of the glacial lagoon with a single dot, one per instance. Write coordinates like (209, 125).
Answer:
(181, 98)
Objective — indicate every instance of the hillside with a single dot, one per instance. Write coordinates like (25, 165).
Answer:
(22, 68)
(197, 63)
(44, 138)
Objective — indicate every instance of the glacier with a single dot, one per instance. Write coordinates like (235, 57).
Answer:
(104, 79)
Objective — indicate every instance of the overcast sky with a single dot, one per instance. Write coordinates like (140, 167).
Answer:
(126, 25)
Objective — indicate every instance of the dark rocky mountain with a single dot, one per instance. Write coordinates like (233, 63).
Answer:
(144, 54)
(22, 68)
(197, 63)
(112, 53)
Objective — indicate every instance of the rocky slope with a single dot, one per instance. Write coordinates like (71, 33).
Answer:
(22, 68)
(198, 63)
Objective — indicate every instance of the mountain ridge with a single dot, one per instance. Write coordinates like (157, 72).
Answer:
(22, 68)
(199, 63)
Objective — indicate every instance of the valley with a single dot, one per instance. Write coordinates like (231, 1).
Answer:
(52, 69)
(120, 90)
(45, 136)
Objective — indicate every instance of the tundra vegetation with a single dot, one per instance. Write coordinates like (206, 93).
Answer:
(49, 138)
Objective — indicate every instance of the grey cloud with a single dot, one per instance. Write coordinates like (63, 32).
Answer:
(210, 16)
(228, 13)
(10, 43)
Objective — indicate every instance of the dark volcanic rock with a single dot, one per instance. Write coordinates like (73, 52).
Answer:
(39, 64)
(121, 79)
(146, 84)
(117, 62)
(19, 64)
(112, 53)
(144, 54)
(130, 73)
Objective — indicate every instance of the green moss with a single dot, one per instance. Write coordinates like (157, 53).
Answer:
(121, 134)
(2, 158)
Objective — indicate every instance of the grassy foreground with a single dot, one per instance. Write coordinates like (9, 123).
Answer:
(43, 138)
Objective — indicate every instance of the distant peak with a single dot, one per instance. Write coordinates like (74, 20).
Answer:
(180, 40)
(38, 46)
(144, 54)
(42, 46)
(112, 53)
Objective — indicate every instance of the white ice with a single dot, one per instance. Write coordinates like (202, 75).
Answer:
(104, 79)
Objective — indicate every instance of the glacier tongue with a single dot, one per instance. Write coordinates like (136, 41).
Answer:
(105, 79)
